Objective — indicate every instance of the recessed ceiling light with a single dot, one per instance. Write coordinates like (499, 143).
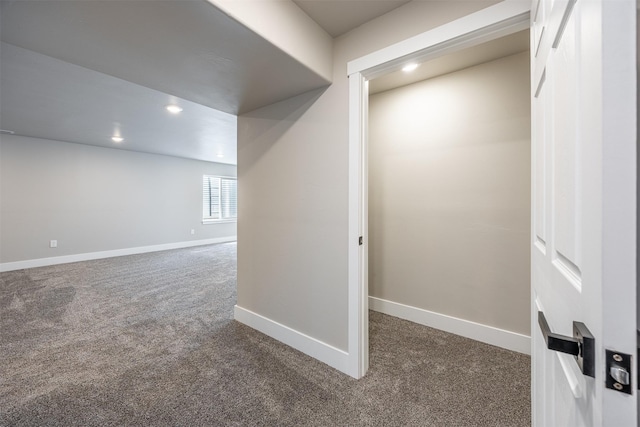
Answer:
(220, 155)
(409, 67)
(173, 109)
(117, 138)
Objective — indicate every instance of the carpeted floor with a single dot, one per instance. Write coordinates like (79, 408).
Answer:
(149, 340)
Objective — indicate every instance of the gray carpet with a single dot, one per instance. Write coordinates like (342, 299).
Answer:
(149, 340)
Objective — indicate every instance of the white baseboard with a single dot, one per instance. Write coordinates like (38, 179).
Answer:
(476, 331)
(41, 262)
(319, 350)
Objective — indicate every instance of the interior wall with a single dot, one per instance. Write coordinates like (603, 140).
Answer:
(293, 196)
(94, 199)
(449, 194)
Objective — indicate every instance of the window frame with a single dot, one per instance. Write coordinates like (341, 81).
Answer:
(205, 220)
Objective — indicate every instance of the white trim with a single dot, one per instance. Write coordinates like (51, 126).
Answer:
(476, 331)
(501, 19)
(218, 221)
(319, 350)
(496, 21)
(358, 320)
(41, 262)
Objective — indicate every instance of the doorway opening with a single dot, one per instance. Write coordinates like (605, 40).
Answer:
(488, 25)
(449, 193)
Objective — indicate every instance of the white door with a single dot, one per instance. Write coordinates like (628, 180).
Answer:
(584, 206)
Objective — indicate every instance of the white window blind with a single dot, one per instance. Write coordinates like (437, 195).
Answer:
(219, 198)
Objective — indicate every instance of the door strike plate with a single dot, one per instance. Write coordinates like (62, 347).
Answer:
(618, 371)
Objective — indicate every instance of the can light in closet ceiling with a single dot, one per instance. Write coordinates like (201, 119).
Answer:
(409, 67)
(117, 139)
(174, 109)
(220, 155)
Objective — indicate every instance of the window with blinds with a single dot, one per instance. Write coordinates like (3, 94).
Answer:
(219, 198)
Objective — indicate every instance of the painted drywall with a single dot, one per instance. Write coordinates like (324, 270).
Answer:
(287, 27)
(93, 199)
(293, 176)
(449, 194)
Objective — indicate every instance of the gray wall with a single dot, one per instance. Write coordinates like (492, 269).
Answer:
(449, 194)
(93, 199)
(293, 178)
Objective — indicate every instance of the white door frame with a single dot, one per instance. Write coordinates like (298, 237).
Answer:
(497, 21)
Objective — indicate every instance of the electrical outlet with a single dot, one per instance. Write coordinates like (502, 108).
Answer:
(53, 243)
(193, 231)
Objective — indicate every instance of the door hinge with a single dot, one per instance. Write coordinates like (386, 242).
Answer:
(360, 241)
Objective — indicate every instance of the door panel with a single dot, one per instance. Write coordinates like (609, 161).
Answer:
(583, 196)
(539, 167)
(566, 180)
